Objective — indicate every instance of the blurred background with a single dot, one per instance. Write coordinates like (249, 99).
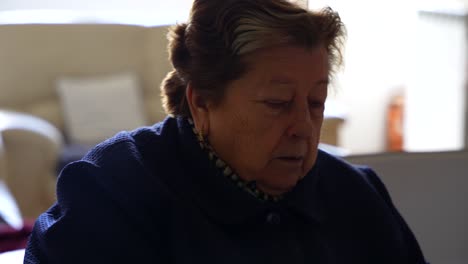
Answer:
(404, 83)
(73, 73)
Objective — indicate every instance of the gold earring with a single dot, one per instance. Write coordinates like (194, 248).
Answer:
(200, 138)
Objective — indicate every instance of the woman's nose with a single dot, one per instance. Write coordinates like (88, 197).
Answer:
(302, 124)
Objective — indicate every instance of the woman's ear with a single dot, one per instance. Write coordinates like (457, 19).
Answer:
(198, 109)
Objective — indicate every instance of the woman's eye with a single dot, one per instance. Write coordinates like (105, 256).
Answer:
(316, 108)
(317, 105)
(276, 104)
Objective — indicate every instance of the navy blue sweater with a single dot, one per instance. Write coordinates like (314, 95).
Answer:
(152, 196)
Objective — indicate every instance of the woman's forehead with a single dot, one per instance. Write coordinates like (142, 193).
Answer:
(287, 65)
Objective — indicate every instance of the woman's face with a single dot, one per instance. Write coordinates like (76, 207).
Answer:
(267, 126)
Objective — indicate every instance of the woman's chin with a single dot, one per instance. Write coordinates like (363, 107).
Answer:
(279, 185)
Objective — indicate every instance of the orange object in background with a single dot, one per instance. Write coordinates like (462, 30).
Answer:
(395, 117)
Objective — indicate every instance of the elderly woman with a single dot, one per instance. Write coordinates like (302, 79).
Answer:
(233, 175)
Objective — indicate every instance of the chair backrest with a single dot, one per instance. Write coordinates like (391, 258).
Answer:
(2, 158)
(9, 211)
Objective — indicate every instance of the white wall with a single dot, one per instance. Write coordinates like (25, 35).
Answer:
(375, 67)
(386, 52)
(436, 100)
(92, 4)
(138, 12)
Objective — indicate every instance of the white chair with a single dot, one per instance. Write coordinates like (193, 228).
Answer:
(30, 148)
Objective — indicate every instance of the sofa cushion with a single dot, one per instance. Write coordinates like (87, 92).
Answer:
(95, 108)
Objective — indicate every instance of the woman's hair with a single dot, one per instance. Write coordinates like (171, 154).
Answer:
(208, 50)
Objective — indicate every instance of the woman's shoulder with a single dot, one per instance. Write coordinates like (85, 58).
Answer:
(119, 167)
(348, 183)
(357, 199)
(354, 189)
(116, 173)
(342, 170)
